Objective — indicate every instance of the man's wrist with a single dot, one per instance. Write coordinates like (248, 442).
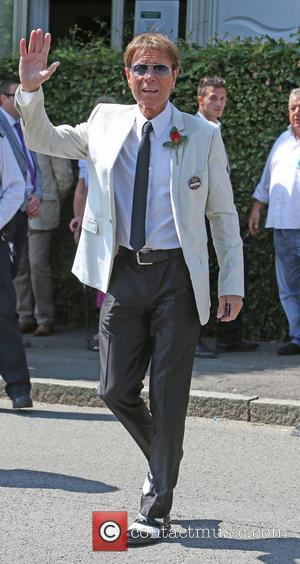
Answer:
(29, 89)
(25, 96)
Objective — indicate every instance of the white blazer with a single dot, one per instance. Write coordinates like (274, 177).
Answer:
(100, 140)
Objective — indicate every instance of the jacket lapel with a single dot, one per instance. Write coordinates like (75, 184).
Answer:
(120, 127)
(16, 147)
(176, 162)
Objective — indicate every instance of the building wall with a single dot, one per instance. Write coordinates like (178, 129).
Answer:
(277, 18)
(242, 18)
(199, 20)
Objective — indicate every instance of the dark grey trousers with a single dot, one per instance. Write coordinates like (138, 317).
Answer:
(13, 365)
(149, 313)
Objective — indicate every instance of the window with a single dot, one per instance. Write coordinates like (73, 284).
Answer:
(86, 15)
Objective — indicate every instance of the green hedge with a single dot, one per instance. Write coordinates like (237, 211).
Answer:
(259, 76)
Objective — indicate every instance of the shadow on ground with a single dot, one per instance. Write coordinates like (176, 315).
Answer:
(73, 416)
(31, 479)
(274, 544)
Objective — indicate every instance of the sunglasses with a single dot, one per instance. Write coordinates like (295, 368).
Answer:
(161, 71)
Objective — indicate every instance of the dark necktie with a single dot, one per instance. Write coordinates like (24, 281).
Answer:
(30, 166)
(139, 203)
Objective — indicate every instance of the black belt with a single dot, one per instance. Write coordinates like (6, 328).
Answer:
(146, 257)
(6, 233)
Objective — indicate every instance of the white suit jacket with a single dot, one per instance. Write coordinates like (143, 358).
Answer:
(100, 140)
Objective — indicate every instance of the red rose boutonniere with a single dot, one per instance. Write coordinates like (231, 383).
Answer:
(176, 139)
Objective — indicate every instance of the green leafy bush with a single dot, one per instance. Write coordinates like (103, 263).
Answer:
(259, 76)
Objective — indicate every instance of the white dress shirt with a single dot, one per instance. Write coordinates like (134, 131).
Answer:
(216, 124)
(279, 185)
(12, 184)
(83, 171)
(201, 116)
(160, 226)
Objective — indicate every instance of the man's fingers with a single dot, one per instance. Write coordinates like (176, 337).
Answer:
(229, 308)
(53, 67)
(253, 226)
(73, 225)
(32, 40)
(23, 49)
(36, 44)
(47, 42)
(39, 40)
(50, 70)
(234, 311)
(254, 229)
(221, 308)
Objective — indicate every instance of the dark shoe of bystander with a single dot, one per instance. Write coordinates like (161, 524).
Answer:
(290, 348)
(43, 330)
(27, 326)
(22, 401)
(203, 351)
(237, 346)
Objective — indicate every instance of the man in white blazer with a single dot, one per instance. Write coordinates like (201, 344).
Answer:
(154, 173)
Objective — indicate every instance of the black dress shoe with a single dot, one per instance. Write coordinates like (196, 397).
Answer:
(238, 346)
(147, 530)
(290, 348)
(22, 401)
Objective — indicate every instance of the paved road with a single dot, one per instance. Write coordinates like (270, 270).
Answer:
(239, 483)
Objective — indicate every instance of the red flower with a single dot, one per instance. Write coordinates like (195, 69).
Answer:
(175, 137)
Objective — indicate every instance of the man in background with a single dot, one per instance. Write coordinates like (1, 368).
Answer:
(26, 160)
(33, 283)
(279, 188)
(212, 96)
(13, 365)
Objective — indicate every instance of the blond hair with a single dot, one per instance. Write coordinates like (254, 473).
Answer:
(155, 42)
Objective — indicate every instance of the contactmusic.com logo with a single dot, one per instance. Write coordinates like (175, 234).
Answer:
(110, 530)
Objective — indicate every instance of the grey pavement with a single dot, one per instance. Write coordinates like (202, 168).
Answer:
(259, 386)
(237, 498)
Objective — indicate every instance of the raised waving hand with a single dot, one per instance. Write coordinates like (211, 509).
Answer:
(33, 68)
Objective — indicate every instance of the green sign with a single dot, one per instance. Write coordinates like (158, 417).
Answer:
(151, 15)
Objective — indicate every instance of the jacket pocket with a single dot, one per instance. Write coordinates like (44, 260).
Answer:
(91, 225)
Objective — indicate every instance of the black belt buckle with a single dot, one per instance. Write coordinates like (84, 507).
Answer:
(138, 258)
(12, 250)
(4, 234)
